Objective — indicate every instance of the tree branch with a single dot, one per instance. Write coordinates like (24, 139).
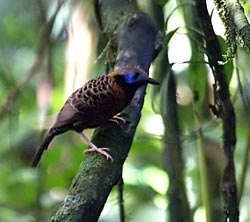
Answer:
(236, 24)
(136, 36)
(223, 109)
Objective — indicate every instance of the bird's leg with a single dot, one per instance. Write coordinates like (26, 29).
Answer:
(94, 148)
(117, 118)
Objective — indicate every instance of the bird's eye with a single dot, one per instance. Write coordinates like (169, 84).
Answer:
(132, 77)
(135, 76)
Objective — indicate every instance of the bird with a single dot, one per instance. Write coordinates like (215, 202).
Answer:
(96, 102)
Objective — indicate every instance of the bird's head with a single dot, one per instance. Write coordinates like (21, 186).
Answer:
(133, 77)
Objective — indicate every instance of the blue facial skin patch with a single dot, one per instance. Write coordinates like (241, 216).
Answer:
(132, 77)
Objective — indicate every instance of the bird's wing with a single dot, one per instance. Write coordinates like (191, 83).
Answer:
(89, 106)
(68, 114)
(66, 117)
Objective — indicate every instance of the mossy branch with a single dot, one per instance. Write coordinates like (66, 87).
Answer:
(236, 24)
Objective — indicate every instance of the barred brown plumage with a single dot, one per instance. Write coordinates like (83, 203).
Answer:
(96, 102)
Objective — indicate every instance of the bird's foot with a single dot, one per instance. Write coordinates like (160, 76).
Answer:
(102, 151)
(117, 118)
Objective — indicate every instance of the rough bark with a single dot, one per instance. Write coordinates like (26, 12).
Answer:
(236, 24)
(136, 36)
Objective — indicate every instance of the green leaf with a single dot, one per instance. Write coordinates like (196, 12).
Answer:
(168, 37)
(246, 6)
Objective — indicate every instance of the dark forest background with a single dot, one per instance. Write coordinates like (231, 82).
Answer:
(48, 49)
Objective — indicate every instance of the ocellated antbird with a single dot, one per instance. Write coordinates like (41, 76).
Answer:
(94, 103)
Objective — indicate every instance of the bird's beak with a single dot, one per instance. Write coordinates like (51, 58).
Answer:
(152, 81)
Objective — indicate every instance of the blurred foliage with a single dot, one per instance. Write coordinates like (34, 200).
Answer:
(33, 195)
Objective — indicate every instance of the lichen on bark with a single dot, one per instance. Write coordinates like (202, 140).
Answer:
(236, 24)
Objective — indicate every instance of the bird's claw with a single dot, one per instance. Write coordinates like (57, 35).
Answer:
(102, 151)
(117, 118)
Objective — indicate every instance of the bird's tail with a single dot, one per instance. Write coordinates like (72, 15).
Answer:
(41, 149)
